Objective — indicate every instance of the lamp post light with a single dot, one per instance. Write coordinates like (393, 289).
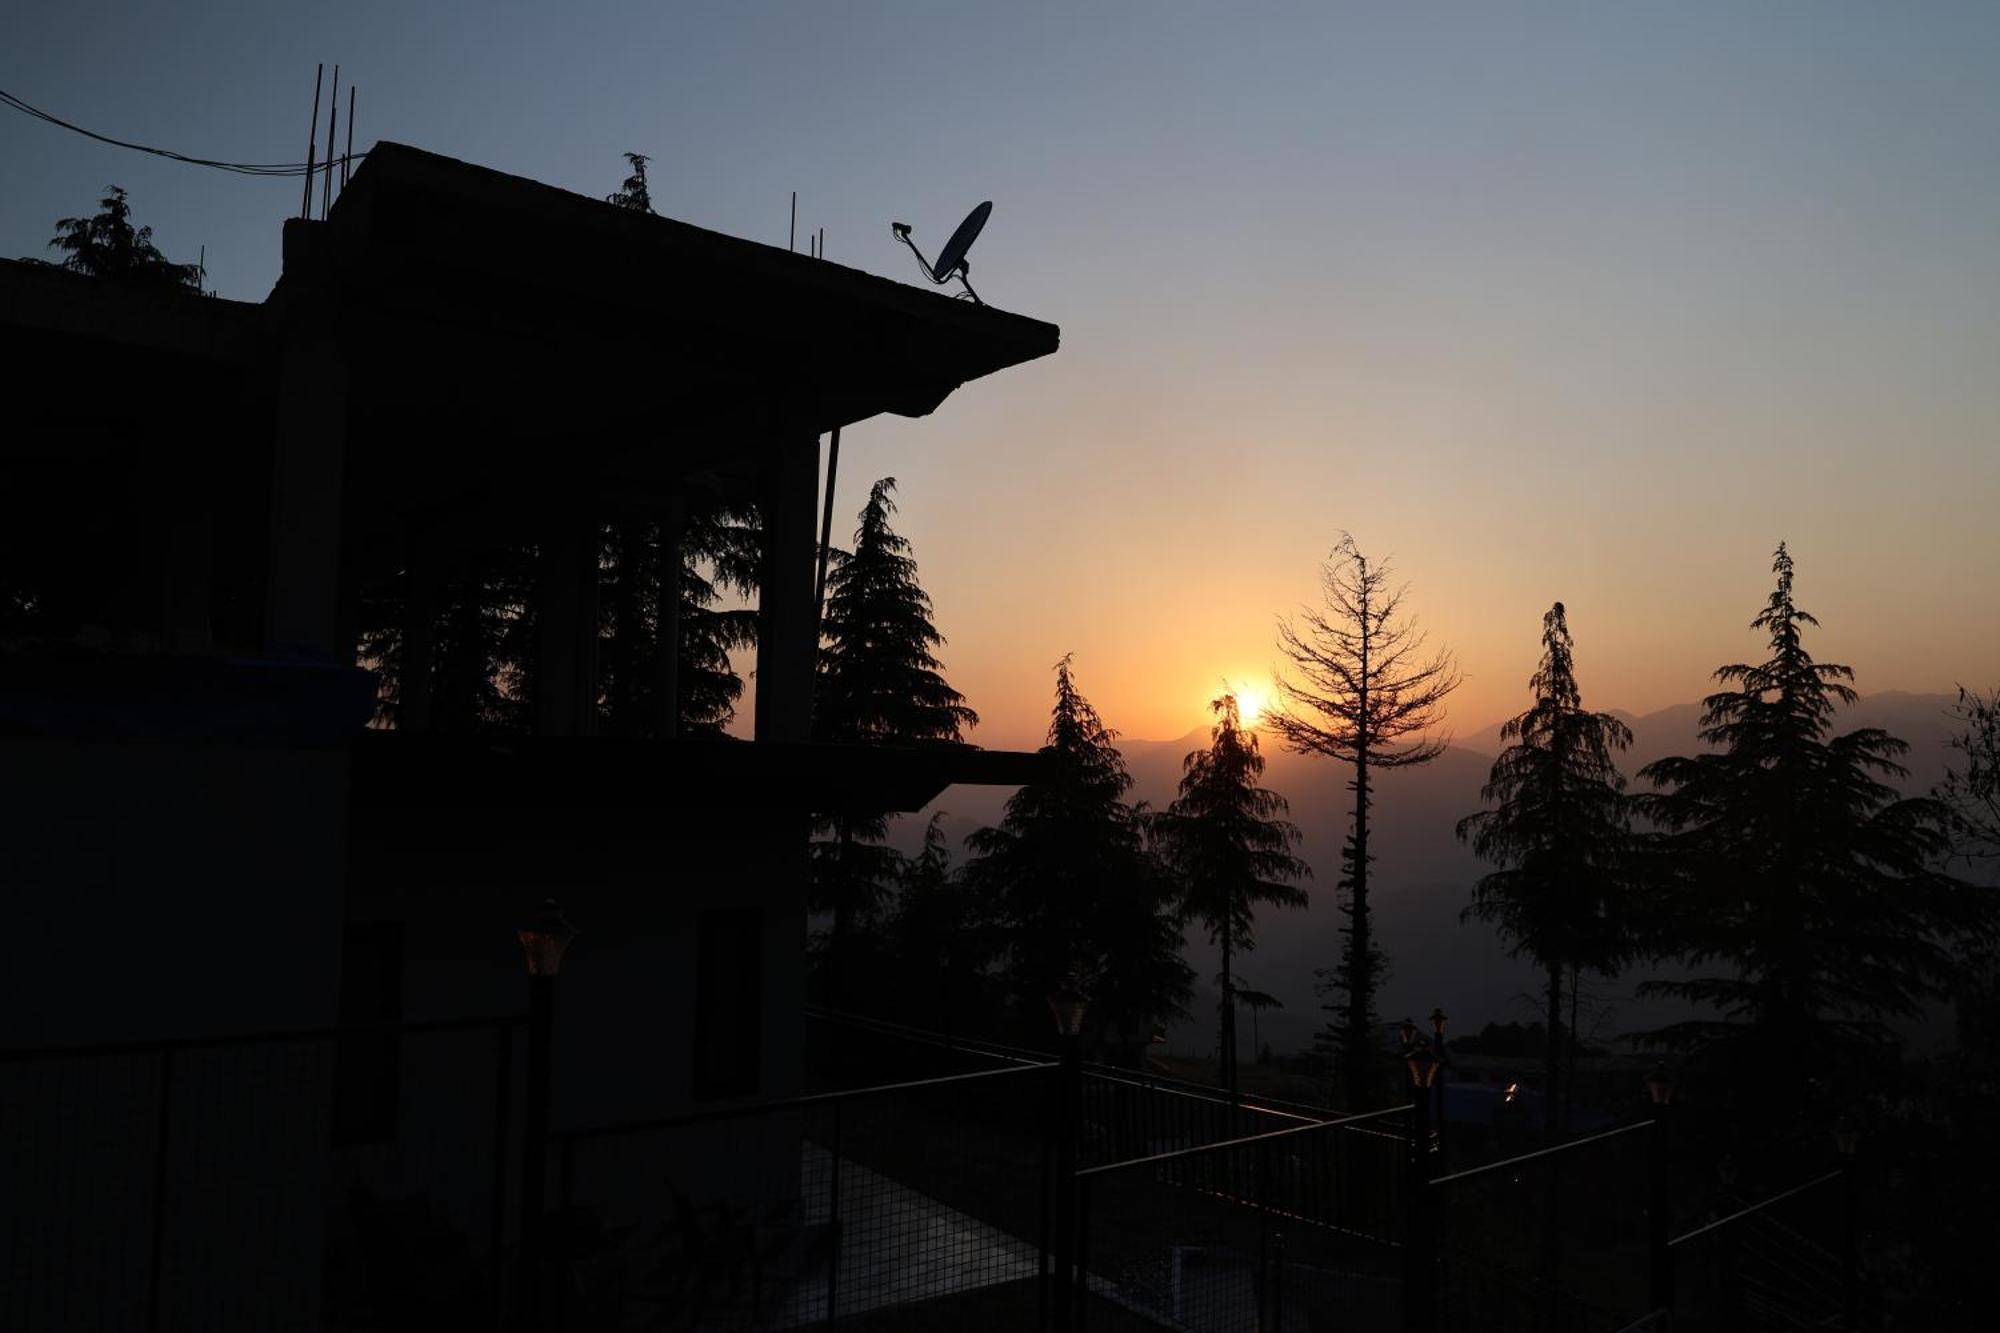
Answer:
(1067, 1006)
(544, 941)
(1660, 1090)
(1846, 1140)
(1419, 1247)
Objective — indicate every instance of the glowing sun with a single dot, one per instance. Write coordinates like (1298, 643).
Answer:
(1250, 704)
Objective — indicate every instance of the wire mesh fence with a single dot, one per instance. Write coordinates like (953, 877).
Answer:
(842, 1208)
(1782, 1262)
(1280, 1230)
(1553, 1241)
(209, 1184)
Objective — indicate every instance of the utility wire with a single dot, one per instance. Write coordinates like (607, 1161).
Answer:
(293, 169)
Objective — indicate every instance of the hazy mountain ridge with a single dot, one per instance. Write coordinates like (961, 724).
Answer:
(1423, 874)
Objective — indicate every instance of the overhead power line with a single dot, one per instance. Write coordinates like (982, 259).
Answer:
(293, 169)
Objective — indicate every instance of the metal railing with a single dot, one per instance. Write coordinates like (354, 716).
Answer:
(1783, 1261)
(274, 1179)
(1232, 1234)
(813, 1210)
(1552, 1240)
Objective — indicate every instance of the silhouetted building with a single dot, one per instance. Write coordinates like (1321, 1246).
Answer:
(205, 835)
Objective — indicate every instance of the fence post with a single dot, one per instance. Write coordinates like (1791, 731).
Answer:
(503, 1098)
(1042, 1264)
(1419, 1259)
(531, 1313)
(1263, 1230)
(833, 1221)
(1850, 1249)
(1069, 1098)
(1076, 1294)
(1662, 1293)
(161, 1141)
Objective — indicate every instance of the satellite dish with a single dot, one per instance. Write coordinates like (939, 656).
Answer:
(951, 262)
(952, 257)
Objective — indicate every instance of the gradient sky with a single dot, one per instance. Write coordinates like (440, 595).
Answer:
(1590, 302)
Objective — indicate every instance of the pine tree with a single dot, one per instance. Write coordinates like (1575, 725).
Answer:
(879, 682)
(941, 941)
(1559, 829)
(1229, 847)
(633, 194)
(105, 245)
(1069, 875)
(1971, 786)
(1800, 870)
(721, 550)
(1366, 694)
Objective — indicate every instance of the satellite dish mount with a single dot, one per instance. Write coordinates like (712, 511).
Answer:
(951, 261)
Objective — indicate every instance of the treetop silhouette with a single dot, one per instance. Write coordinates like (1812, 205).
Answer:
(1368, 692)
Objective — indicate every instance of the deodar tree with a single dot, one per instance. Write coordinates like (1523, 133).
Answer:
(879, 682)
(1074, 887)
(1230, 849)
(106, 245)
(1558, 827)
(1799, 875)
(1365, 690)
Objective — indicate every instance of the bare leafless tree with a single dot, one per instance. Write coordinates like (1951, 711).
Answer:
(1365, 690)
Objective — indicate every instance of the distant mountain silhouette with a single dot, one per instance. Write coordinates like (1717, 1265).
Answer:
(1424, 875)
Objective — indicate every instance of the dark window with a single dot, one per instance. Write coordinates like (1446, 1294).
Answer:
(367, 1070)
(729, 1002)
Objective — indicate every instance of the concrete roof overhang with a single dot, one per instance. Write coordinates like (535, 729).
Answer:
(474, 305)
(406, 772)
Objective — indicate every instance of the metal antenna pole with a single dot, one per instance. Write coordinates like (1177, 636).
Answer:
(826, 527)
(347, 158)
(312, 143)
(332, 121)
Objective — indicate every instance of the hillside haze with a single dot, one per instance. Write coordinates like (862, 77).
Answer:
(1422, 875)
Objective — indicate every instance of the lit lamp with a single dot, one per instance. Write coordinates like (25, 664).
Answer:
(1424, 1066)
(1846, 1138)
(1660, 1085)
(1409, 1031)
(1437, 1027)
(545, 939)
(1067, 1005)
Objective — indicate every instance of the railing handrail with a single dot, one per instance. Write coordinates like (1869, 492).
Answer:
(1288, 1132)
(966, 1045)
(1276, 1106)
(159, 1045)
(1757, 1207)
(740, 1110)
(1506, 1162)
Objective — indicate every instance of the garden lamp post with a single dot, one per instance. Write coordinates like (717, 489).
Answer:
(1067, 1006)
(544, 941)
(1419, 1257)
(1437, 1105)
(1660, 1090)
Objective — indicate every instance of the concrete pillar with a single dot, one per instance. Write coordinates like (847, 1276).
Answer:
(667, 625)
(566, 607)
(788, 630)
(414, 680)
(187, 576)
(309, 464)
